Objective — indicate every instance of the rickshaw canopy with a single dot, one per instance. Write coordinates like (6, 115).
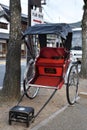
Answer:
(61, 29)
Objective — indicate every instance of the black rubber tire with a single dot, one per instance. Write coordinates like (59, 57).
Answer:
(30, 91)
(72, 85)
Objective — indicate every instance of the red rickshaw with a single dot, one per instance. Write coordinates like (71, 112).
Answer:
(51, 68)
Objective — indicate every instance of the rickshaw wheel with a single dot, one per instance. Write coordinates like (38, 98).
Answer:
(72, 85)
(30, 91)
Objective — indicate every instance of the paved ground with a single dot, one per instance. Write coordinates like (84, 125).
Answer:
(2, 70)
(56, 116)
(69, 117)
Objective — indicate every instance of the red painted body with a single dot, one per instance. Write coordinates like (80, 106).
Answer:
(50, 67)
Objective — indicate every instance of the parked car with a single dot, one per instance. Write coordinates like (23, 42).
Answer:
(76, 54)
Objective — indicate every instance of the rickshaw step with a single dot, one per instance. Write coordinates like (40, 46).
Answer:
(21, 114)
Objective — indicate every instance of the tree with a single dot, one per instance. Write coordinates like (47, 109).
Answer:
(11, 83)
(84, 41)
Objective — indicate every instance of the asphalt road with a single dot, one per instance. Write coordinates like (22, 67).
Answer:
(2, 71)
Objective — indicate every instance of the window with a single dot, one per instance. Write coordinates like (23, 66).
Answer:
(3, 25)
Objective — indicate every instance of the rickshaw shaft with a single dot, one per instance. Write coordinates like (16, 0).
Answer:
(46, 103)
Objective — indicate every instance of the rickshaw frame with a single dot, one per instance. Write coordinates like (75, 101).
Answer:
(65, 32)
(51, 69)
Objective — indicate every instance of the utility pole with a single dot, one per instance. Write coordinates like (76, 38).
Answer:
(29, 50)
(31, 3)
(29, 12)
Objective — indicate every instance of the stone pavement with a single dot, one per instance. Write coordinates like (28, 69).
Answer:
(69, 117)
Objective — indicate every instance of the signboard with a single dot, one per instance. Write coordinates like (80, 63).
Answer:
(36, 3)
(36, 17)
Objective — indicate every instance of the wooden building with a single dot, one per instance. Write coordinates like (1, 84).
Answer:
(4, 29)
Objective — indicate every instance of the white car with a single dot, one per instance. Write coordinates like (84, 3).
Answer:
(76, 54)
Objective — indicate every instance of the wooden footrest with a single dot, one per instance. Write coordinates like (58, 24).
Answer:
(21, 114)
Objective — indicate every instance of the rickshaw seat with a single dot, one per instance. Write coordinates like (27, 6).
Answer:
(48, 52)
(48, 64)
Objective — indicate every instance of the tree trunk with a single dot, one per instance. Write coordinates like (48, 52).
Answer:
(84, 42)
(11, 83)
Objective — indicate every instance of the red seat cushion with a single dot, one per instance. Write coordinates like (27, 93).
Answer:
(48, 52)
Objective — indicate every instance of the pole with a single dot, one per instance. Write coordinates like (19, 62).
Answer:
(46, 103)
(29, 13)
(29, 49)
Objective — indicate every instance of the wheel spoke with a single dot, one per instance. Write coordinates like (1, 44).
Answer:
(72, 85)
(31, 92)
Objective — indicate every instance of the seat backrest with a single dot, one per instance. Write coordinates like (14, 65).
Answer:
(48, 52)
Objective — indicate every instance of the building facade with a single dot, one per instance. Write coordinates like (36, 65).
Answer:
(36, 18)
(5, 28)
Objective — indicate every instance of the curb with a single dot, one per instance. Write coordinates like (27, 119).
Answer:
(83, 94)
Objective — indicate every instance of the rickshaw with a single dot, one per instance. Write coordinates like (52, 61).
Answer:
(52, 67)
